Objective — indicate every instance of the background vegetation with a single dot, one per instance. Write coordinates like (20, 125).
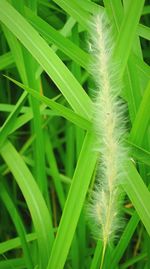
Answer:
(47, 164)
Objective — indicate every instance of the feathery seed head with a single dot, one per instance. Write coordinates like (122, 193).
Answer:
(109, 128)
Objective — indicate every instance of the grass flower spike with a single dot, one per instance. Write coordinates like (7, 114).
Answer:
(109, 128)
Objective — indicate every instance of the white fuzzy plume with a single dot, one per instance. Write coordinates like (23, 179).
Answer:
(109, 128)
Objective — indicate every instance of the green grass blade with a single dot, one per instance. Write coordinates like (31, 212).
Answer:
(131, 17)
(26, 65)
(18, 224)
(15, 243)
(71, 213)
(75, 10)
(62, 43)
(139, 153)
(139, 194)
(124, 240)
(34, 200)
(132, 261)
(10, 121)
(144, 31)
(18, 263)
(17, 53)
(97, 255)
(54, 170)
(143, 70)
(6, 60)
(60, 109)
(142, 119)
(40, 50)
(146, 10)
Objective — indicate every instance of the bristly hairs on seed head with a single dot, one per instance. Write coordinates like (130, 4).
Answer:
(109, 128)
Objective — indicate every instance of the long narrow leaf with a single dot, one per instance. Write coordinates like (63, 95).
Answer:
(34, 200)
(65, 81)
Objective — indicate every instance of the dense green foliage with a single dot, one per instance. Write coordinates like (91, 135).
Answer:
(47, 160)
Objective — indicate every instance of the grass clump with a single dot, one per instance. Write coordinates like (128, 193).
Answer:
(48, 158)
